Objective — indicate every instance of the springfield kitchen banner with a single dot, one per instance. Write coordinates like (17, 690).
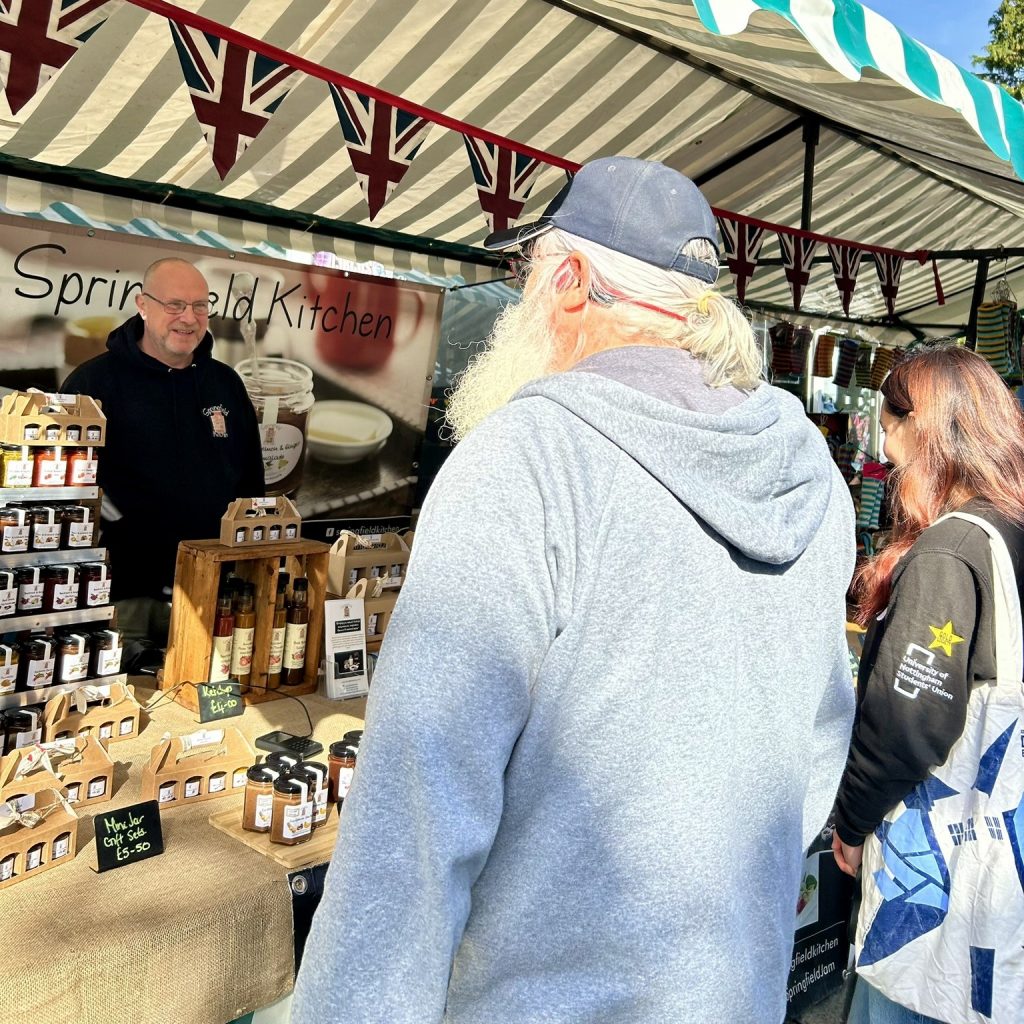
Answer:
(344, 360)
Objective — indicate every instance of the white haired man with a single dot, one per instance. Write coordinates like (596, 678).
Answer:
(614, 701)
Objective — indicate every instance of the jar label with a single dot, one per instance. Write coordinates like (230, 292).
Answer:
(65, 595)
(73, 791)
(220, 661)
(276, 660)
(30, 597)
(60, 847)
(295, 645)
(106, 731)
(191, 788)
(320, 802)
(83, 472)
(127, 726)
(241, 652)
(167, 792)
(46, 536)
(97, 788)
(15, 539)
(40, 673)
(80, 535)
(8, 677)
(8, 601)
(18, 474)
(97, 593)
(52, 472)
(108, 662)
(74, 667)
(218, 783)
(282, 449)
(344, 781)
(238, 780)
(264, 810)
(32, 736)
(298, 820)
(34, 858)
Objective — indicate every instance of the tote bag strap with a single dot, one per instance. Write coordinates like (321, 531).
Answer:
(1009, 629)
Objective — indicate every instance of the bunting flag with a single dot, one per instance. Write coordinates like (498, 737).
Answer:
(889, 267)
(742, 249)
(38, 37)
(797, 259)
(504, 180)
(234, 91)
(381, 141)
(845, 268)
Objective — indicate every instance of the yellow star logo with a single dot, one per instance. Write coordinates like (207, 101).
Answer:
(945, 638)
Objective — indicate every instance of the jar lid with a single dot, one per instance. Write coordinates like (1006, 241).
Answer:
(261, 773)
(353, 734)
(280, 760)
(343, 748)
(290, 785)
(305, 765)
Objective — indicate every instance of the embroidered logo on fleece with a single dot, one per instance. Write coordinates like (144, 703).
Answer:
(945, 638)
(218, 420)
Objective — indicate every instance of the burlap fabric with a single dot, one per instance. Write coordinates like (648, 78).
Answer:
(199, 935)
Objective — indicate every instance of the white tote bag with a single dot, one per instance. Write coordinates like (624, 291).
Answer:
(941, 925)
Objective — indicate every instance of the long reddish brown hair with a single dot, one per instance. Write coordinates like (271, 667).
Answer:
(970, 444)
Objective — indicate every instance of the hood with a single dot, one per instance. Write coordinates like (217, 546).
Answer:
(124, 342)
(753, 468)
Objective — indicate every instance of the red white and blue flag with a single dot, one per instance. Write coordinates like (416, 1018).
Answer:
(797, 260)
(845, 268)
(889, 268)
(38, 37)
(381, 140)
(504, 180)
(742, 250)
(234, 91)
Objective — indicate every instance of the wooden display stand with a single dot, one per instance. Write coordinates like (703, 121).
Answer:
(197, 580)
(260, 522)
(59, 824)
(316, 850)
(86, 774)
(224, 763)
(116, 718)
(22, 409)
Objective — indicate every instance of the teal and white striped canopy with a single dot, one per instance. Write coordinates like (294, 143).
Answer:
(914, 152)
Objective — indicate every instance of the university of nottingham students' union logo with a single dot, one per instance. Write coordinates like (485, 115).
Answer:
(218, 420)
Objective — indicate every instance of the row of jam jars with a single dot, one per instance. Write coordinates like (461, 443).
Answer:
(47, 466)
(48, 659)
(38, 589)
(46, 528)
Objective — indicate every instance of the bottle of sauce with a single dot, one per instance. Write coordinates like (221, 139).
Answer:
(223, 630)
(275, 663)
(296, 628)
(242, 637)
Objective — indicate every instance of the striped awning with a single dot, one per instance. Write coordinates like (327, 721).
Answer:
(914, 153)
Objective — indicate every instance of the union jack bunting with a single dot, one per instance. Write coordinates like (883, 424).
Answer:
(38, 37)
(504, 180)
(381, 141)
(889, 267)
(797, 259)
(234, 91)
(845, 268)
(742, 249)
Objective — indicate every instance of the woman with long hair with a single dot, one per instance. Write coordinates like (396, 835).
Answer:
(931, 797)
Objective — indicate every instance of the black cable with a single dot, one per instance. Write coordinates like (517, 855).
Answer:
(277, 692)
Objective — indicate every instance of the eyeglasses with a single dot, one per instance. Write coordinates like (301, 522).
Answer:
(177, 306)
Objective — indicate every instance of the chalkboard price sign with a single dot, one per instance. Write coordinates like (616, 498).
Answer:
(128, 834)
(219, 700)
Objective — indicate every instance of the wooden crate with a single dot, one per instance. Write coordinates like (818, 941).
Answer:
(194, 607)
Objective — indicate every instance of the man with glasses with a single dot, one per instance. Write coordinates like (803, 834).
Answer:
(182, 441)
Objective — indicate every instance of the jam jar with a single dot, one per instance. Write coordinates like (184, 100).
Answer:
(341, 765)
(74, 658)
(8, 592)
(30, 588)
(93, 434)
(291, 820)
(14, 530)
(78, 527)
(22, 727)
(106, 653)
(60, 587)
(95, 588)
(81, 467)
(317, 775)
(46, 527)
(51, 469)
(37, 662)
(259, 798)
(9, 656)
(17, 465)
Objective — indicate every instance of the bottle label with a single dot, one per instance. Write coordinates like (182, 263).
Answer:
(8, 601)
(220, 662)
(30, 597)
(264, 810)
(276, 661)
(8, 677)
(74, 667)
(241, 652)
(344, 781)
(298, 819)
(15, 538)
(18, 474)
(80, 535)
(97, 592)
(40, 673)
(295, 645)
(46, 536)
(52, 472)
(83, 472)
(108, 662)
(65, 595)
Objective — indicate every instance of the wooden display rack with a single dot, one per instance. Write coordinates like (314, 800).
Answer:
(316, 850)
(18, 839)
(170, 763)
(89, 763)
(194, 607)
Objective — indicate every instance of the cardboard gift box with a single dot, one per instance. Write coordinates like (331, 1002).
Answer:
(355, 558)
(38, 831)
(202, 765)
(23, 410)
(79, 766)
(254, 521)
(109, 712)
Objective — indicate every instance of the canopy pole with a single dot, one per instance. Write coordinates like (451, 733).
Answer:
(811, 137)
(980, 280)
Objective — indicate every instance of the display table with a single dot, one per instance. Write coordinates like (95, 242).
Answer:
(199, 935)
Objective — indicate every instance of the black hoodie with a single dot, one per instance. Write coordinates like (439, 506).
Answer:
(181, 445)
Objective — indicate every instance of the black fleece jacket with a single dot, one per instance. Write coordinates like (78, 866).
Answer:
(921, 661)
(181, 445)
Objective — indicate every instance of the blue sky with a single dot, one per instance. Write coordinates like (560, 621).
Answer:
(955, 28)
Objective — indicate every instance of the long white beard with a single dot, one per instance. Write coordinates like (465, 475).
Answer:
(520, 349)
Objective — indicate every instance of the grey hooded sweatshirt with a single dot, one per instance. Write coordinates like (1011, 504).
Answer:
(612, 709)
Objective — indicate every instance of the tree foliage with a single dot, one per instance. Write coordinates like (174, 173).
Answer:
(1003, 59)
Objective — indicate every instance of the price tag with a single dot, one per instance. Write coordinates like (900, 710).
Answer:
(127, 835)
(219, 700)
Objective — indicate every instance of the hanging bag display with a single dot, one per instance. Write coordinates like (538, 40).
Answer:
(941, 925)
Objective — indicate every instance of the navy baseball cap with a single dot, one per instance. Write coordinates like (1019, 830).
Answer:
(639, 208)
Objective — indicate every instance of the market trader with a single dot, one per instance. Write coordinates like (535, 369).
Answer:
(613, 702)
(182, 441)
